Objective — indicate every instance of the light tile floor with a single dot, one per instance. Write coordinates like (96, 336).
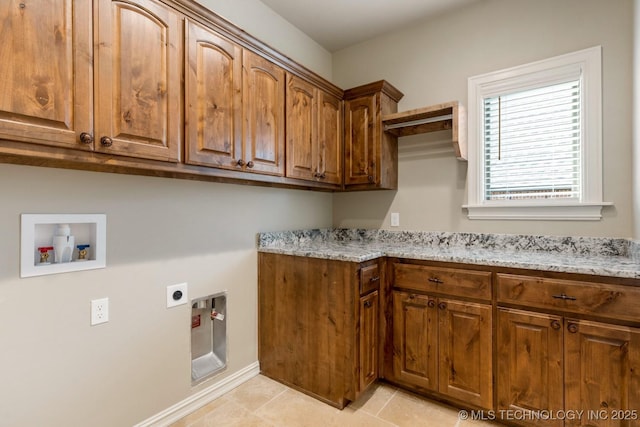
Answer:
(264, 402)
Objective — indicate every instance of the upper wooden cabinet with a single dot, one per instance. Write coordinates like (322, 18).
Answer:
(46, 73)
(120, 86)
(314, 133)
(371, 155)
(263, 102)
(138, 85)
(213, 96)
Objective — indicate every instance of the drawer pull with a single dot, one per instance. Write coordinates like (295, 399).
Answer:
(367, 304)
(442, 306)
(564, 297)
(435, 280)
(431, 303)
(374, 279)
(572, 327)
(555, 325)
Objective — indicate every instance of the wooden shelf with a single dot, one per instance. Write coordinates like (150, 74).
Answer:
(450, 115)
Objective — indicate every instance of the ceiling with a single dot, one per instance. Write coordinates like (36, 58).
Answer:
(336, 24)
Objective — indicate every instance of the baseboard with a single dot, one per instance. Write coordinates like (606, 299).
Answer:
(201, 398)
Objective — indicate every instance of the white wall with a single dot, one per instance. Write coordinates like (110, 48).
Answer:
(55, 369)
(431, 62)
(636, 119)
(263, 23)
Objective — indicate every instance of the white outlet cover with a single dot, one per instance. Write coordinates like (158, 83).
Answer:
(395, 219)
(171, 290)
(99, 311)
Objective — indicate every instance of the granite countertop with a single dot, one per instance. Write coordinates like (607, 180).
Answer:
(586, 255)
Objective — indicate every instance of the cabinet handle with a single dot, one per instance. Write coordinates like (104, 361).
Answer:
(555, 325)
(442, 305)
(86, 138)
(435, 280)
(370, 178)
(250, 164)
(106, 141)
(367, 304)
(240, 163)
(564, 297)
(412, 296)
(572, 327)
(431, 303)
(374, 279)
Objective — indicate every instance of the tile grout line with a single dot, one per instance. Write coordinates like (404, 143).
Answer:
(386, 403)
(267, 402)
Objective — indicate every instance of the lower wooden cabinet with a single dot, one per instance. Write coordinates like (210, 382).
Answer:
(368, 340)
(530, 371)
(526, 354)
(443, 345)
(602, 373)
(316, 331)
(554, 365)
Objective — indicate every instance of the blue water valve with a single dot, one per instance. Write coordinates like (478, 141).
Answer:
(82, 252)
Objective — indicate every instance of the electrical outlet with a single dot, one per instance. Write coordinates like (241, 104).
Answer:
(176, 295)
(395, 219)
(99, 311)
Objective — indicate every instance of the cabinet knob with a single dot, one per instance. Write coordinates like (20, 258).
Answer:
(442, 305)
(367, 304)
(250, 164)
(240, 162)
(370, 178)
(572, 327)
(412, 296)
(431, 303)
(555, 325)
(105, 141)
(86, 138)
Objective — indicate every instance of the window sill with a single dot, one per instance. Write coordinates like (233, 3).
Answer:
(556, 212)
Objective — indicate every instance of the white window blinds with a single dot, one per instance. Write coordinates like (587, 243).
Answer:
(532, 141)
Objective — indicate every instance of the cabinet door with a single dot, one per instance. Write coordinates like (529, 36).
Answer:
(213, 93)
(530, 368)
(302, 129)
(602, 373)
(46, 82)
(360, 140)
(415, 340)
(465, 352)
(368, 348)
(138, 109)
(330, 136)
(263, 104)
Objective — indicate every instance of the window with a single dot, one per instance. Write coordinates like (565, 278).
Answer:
(535, 140)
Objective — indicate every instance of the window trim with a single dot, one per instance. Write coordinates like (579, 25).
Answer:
(588, 63)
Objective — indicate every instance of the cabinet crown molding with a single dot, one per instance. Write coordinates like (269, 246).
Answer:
(372, 88)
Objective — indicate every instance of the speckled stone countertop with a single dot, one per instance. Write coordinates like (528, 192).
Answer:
(586, 255)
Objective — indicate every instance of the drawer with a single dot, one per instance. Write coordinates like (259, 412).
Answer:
(596, 299)
(450, 281)
(369, 278)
